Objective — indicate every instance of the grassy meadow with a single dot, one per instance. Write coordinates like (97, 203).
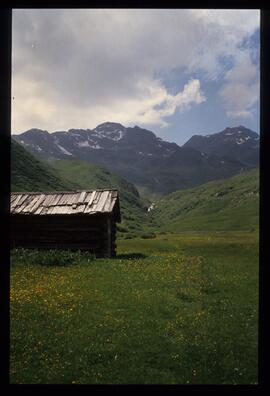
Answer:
(175, 309)
(220, 205)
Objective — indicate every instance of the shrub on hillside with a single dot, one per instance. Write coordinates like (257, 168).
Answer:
(148, 236)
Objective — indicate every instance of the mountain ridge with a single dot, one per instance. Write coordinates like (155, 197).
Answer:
(144, 159)
(239, 142)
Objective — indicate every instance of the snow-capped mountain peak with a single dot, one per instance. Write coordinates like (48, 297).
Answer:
(110, 130)
(237, 142)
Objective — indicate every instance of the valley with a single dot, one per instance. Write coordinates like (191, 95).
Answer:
(230, 203)
(178, 304)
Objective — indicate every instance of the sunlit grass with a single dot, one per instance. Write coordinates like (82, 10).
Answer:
(175, 309)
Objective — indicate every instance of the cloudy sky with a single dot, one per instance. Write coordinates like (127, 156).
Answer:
(175, 72)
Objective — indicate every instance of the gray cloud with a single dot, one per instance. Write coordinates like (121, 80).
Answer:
(80, 67)
(241, 90)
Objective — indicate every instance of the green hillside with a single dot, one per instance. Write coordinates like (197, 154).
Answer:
(31, 174)
(230, 204)
(88, 176)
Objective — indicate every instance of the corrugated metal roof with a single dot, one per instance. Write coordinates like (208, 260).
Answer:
(65, 202)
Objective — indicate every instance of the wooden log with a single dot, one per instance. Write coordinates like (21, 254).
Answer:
(61, 231)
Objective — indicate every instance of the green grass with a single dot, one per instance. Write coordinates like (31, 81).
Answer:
(176, 309)
(31, 174)
(224, 205)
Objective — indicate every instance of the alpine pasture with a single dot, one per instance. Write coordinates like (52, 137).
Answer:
(175, 309)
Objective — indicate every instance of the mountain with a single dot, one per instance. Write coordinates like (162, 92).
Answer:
(239, 143)
(231, 204)
(30, 174)
(136, 154)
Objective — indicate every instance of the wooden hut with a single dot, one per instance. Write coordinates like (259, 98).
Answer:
(84, 220)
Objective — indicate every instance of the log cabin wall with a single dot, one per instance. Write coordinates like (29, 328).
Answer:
(113, 238)
(81, 219)
(90, 233)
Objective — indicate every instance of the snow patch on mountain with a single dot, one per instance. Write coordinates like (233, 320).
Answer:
(83, 144)
(110, 130)
(112, 134)
(64, 151)
(240, 141)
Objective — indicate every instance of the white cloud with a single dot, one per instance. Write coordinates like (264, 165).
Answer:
(240, 89)
(154, 105)
(240, 114)
(76, 68)
(223, 32)
(162, 104)
(240, 22)
(191, 94)
(240, 92)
